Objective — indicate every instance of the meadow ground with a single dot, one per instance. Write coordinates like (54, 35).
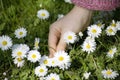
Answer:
(15, 14)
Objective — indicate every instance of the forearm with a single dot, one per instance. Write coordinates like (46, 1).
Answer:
(105, 5)
(80, 15)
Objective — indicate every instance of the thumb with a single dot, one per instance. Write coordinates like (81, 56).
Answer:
(61, 44)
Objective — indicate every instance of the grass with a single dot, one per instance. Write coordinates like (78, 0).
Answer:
(17, 13)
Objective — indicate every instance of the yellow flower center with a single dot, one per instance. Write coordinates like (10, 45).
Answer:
(109, 72)
(113, 25)
(20, 33)
(45, 61)
(69, 37)
(19, 53)
(36, 44)
(19, 59)
(34, 56)
(53, 62)
(61, 58)
(111, 51)
(88, 46)
(43, 14)
(52, 78)
(41, 70)
(110, 30)
(94, 31)
(4, 43)
(99, 24)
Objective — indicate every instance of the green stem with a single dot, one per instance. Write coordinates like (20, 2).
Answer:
(101, 43)
(2, 5)
(94, 62)
(118, 37)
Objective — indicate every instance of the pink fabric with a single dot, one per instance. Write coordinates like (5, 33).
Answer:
(98, 4)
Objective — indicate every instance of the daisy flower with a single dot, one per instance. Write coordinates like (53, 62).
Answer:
(52, 62)
(118, 25)
(53, 76)
(41, 70)
(111, 31)
(80, 34)
(4, 73)
(113, 24)
(60, 16)
(36, 43)
(44, 60)
(91, 39)
(34, 56)
(68, 1)
(69, 37)
(89, 45)
(42, 78)
(40, 5)
(109, 74)
(14, 46)
(111, 52)
(86, 75)
(20, 33)
(43, 14)
(19, 62)
(62, 58)
(64, 66)
(101, 25)
(18, 52)
(5, 42)
(24, 47)
(94, 31)
(5, 78)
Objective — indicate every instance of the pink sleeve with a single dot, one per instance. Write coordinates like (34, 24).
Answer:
(98, 4)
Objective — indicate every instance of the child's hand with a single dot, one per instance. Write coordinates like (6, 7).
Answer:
(76, 20)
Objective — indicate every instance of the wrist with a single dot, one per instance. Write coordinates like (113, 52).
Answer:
(80, 10)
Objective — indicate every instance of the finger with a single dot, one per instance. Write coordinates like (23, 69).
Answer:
(51, 55)
(52, 41)
(61, 45)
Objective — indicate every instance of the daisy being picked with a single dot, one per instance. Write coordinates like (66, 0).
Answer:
(69, 37)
